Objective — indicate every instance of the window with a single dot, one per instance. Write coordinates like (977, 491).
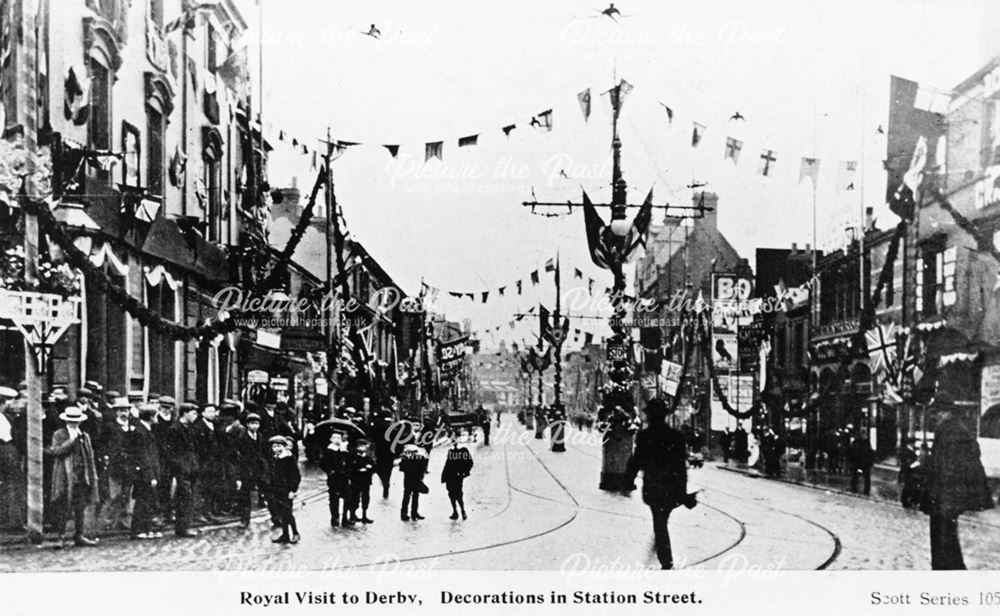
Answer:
(936, 280)
(212, 150)
(154, 151)
(131, 148)
(948, 259)
(100, 106)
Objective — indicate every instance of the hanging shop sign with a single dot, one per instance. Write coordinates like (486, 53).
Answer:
(451, 354)
(617, 352)
(257, 376)
(279, 383)
(322, 389)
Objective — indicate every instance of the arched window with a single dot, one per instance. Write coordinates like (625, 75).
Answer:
(159, 105)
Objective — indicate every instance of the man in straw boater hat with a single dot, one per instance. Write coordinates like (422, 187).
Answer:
(74, 476)
(660, 453)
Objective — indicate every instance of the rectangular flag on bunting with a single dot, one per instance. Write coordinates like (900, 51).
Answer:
(696, 134)
(733, 147)
(518, 287)
(577, 274)
(846, 172)
(433, 149)
(550, 265)
(670, 113)
(468, 141)
(534, 277)
(584, 98)
(810, 169)
(767, 161)
(543, 121)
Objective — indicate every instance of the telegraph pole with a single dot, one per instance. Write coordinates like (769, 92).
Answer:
(335, 245)
(557, 433)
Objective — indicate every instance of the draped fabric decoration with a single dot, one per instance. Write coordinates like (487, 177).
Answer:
(607, 250)
(105, 254)
(158, 274)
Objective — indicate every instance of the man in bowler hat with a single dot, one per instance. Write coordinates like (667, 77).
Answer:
(661, 455)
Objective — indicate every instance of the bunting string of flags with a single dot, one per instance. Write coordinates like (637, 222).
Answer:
(766, 162)
(501, 291)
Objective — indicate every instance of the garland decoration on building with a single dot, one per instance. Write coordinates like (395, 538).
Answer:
(134, 307)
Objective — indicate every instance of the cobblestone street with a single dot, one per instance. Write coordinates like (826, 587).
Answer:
(530, 508)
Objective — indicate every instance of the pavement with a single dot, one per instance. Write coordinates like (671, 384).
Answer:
(534, 509)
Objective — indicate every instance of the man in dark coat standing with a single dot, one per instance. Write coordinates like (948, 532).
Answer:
(74, 476)
(861, 458)
(208, 489)
(956, 483)
(457, 467)
(182, 459)
(116, 482)
(661, 455)
(145, 459)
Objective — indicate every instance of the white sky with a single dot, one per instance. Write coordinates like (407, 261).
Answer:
(808, 76)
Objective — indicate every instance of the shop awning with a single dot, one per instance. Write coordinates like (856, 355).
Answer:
(257, 357)
(189, 251)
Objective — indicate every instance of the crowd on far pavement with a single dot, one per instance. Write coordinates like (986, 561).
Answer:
(142, 464)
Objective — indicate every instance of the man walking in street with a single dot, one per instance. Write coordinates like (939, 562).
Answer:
(164, 486)
(413, 466)
(661, 455)
(956, 483)
(457, 467)
(74, 476)
(861, 458)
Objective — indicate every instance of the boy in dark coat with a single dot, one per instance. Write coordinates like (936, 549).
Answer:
(284, 483)
(362, 469)
(336, 463)
(413, 465)
(660, 453)
(457, 467)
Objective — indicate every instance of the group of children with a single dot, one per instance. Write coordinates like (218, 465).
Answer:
(349, 479)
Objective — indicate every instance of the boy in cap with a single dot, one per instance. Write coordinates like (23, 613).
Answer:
(362, 469)
(74, 476)
(285, 479)
(457, 467)
(252, 466)
(336, 463)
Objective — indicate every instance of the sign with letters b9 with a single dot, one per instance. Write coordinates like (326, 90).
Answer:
(730, 288)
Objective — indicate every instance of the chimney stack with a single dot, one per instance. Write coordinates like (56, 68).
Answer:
(710, 201)
(795, 248)
(808, 249)
(869, 218)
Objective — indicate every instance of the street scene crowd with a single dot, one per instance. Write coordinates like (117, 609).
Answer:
(120, 463)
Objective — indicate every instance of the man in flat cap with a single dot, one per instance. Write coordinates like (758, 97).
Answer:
(162, 425)
(182, 460)
(74, 476)
(252, 466)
